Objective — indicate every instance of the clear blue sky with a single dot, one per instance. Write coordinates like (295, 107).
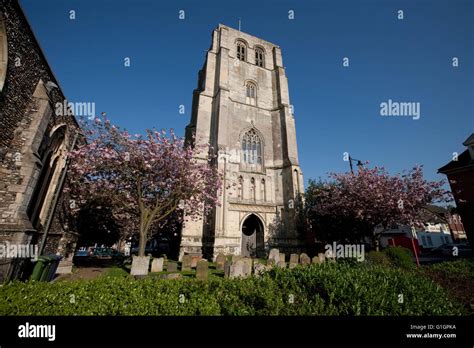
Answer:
(337, 109)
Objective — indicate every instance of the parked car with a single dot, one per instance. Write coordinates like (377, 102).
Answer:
(155, 247)
(448, 250)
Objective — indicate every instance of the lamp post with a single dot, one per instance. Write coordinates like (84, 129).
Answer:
(359, 163)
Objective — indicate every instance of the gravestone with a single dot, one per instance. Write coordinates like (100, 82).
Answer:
(194, 260)
(304, 259)
(248, 266)
(315, 260)
(202, 270)
(282, 257)
(227, 266)
(237, 269)
(172, 266)
(157, 264)
(259, 268)
(281, 264)
(321, 257)
(220, 262)
(236, 258)
(140, 265)
(294, 259)
(171, 276)
(274, 256)
(186, 263)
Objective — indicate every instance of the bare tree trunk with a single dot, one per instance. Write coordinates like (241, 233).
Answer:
(142, 244)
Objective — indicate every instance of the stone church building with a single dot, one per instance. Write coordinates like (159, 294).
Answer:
(34, 141)
(241, 107)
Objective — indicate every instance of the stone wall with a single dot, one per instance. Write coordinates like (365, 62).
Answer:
(29, 128)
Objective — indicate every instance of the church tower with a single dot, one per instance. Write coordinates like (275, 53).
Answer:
(241, 108)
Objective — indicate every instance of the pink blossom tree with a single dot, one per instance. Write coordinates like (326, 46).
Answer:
(372, 197)
(144, 180)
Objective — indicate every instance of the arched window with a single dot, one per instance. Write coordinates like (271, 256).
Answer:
(251, 93)
(252, 148)
(263, 191)
(296, 181)
(49, 150)
(252, 189)
(241, 51)
(241, 187)
(259, 57)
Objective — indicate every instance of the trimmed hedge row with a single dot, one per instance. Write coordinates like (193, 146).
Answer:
(392, 257)
(327, 289)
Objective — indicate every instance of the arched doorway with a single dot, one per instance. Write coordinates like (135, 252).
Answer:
(252, 236)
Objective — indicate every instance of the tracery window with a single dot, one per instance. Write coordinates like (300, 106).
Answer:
(241, 51)
(251, 93)
(252, 147)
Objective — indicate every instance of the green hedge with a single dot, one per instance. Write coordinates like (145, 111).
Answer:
(400, 257)
(327, 289)
(392, 257)
(458, 268)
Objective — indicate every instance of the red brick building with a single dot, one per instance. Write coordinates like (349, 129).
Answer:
(460, 173)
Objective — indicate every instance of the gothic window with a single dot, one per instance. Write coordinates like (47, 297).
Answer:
(49, 149)
(259, 57)
(252, 188)
(252, 148)
(296, 181)
(251, 95)
(263, 191)
(241, 187)
(241, 51)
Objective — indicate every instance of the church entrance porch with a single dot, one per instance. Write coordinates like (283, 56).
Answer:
(252, 237)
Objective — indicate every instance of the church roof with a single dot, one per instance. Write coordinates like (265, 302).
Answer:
(464, 160)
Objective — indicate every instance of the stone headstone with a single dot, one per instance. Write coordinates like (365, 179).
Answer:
(321, 257)
(236, 258)
(281, 264)
(294, 259)
(186, 263)
(238, 269)
(172, 266)
(248, 266)
(157, 264)
(171, 276)
(220, 262)
(274, 256)
(227, 267)
(259, 268)
(282, 257)
(127, 248)
(202, 270)
(304, 259)
(315, 260)
(194, 260)
(140, 265)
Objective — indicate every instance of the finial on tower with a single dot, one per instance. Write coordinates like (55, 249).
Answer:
(239, 23)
